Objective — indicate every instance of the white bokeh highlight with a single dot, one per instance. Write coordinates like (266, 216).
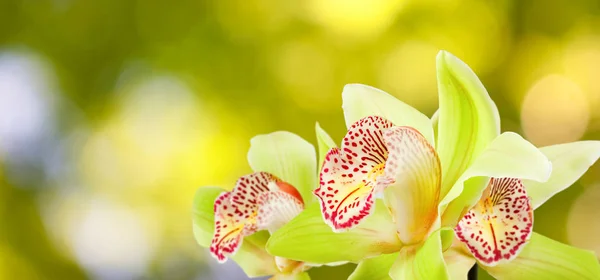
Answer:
(26, 106)
(111, 242)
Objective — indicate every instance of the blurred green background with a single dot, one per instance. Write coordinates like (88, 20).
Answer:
(112, 113)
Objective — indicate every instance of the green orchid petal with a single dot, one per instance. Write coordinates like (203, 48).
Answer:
(425, 262)
(458, 263)
(360, 101)
(509, 155)
(447, 238)
(251, 257)
(544, 258)
(307, 238)
(287, 156)
(569, 162)
(324, 142)
(435, 119)
(468, 118)
(203, 215)
(377, 268)
(296, 276)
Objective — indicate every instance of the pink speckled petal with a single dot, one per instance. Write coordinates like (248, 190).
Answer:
(350, 174)
(500, 225)
(237, 212)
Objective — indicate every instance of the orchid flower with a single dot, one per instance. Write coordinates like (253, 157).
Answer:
(237, 224)
(506, 247)
(429, 174)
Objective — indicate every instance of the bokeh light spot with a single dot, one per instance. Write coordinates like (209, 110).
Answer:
(583, 225)
(111, 242)
(354, 18)
(555, 110)
(26, 104)
(582, 65)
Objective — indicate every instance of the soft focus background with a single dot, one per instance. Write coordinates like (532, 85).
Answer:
(112, 113)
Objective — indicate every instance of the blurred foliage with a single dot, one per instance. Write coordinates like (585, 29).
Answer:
(113, 112)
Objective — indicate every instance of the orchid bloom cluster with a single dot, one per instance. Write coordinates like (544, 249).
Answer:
(236, 224)
(404, 196)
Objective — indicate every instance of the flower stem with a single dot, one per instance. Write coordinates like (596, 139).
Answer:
(472, 275)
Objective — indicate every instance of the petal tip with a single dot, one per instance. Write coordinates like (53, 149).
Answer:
(355, 85)
(450, 62)
(220, 251)
(227, 236)
(444, 58)
(440, 55)
(355, 89)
